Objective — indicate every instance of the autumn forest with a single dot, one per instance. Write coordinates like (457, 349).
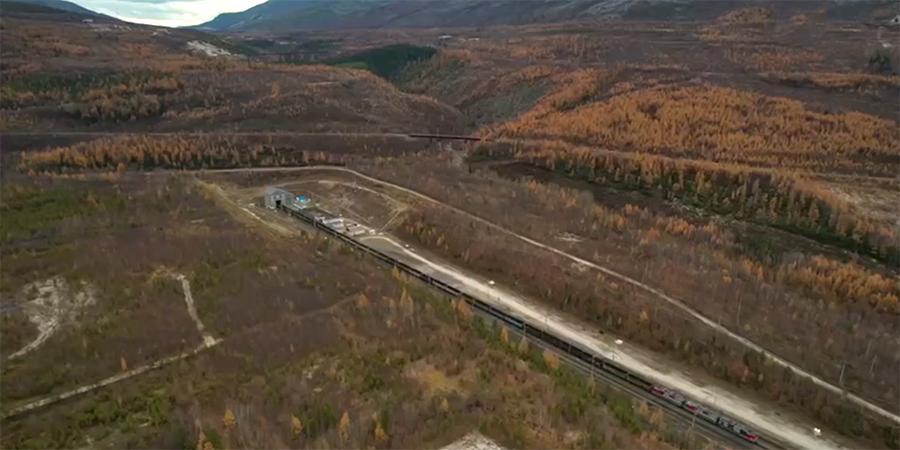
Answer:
(728, 165)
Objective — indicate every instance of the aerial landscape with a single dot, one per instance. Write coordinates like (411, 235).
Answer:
(451, 224)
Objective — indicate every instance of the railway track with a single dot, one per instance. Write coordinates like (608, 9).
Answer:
(594, 365)
(673, 414)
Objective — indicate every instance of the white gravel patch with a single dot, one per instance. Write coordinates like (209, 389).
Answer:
(208, 49)
(473, 441)
(53, 303)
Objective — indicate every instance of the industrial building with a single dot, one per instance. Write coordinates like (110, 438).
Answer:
(275, 198)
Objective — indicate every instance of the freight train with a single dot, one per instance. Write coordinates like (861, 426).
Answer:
(669, 395)
(707, 414)
(543, 335)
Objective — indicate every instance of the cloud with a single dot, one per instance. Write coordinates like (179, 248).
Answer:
(157, 2)
(167, 12)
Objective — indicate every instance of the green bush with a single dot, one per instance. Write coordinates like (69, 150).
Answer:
(27, 211)
(212, 435)
(316, 419)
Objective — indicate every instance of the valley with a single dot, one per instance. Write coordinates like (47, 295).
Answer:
(701, 193)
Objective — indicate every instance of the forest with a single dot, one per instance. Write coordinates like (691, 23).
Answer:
(737, 169)
(777, 283)
(718, 124)
(778, 199)
(168, 153)
(387, 61)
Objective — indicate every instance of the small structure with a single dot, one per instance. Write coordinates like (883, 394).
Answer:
(87, 20)
(316, 214)
(275, 198)
(356, 230)
(339, 221)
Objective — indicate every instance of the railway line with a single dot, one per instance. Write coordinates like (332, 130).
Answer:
(674, 414)
(593, 365)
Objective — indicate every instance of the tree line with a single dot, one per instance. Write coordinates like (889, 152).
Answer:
(771, 198)
(169, 153)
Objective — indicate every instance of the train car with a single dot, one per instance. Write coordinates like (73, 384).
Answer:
(639, 382)
(749, 435)
(692, 407)
(656, 390)
(674, 398)
(707, 414)
(580, 354)
(737, 428)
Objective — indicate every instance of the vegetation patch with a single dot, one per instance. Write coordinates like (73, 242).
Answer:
(386, 62)
(29, 212)
(720, 124)
(692, 257)
(36, 89)
(863, 83)
(289, 381)
(760, 196)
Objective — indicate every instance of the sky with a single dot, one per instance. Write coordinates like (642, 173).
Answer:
(166, 12)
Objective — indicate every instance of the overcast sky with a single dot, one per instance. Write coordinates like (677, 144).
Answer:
(166, 12)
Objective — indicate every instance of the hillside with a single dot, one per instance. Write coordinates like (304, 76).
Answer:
(62, 74)
(712, 198)
(290, 15)
(283, 15)
(62, 5)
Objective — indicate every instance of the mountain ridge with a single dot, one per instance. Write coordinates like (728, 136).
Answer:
(283, 15)
(61, 5)
(293, 15)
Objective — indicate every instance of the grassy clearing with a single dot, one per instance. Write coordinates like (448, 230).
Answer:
(27, 210)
